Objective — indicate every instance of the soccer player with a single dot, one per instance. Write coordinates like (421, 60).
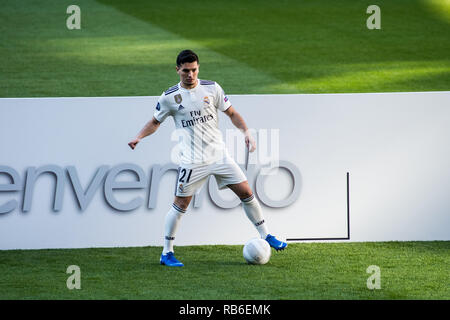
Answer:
(194, 105)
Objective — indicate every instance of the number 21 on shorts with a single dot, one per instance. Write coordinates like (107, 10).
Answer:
(183, 174)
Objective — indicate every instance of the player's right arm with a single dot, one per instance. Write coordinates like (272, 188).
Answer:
(161, 113)
(148, 129)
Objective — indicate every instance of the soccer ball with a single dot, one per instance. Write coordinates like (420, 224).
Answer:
(257, 251)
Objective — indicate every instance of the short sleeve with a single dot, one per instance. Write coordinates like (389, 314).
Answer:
(223, 103)
(162, 109)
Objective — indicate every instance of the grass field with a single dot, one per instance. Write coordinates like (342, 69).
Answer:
(129, 47)
(409, 270)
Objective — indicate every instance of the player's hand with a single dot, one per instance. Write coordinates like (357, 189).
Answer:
(133, 143)
(250, 142)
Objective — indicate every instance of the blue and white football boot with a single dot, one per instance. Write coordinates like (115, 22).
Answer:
(275, 243)
(170, 260)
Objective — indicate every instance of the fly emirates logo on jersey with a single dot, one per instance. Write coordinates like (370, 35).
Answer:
(197, 117)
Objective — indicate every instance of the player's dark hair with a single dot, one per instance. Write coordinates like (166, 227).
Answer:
(186, 56)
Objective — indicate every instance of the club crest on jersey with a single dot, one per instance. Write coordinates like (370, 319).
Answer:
(206, 100)
(180, 187)
(178, 98)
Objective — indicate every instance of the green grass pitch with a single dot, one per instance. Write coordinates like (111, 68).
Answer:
(408, 270)
(128, 48)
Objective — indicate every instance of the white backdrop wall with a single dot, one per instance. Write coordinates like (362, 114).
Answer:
(395, 147)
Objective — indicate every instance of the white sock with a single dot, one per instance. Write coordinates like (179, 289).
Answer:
(172, 221)
(254, 213)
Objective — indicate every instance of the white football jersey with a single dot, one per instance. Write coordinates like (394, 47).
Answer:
(195, 113)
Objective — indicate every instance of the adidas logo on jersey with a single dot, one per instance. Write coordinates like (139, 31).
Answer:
(180, 107)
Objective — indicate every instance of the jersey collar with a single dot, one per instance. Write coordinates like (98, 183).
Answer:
(189, 90)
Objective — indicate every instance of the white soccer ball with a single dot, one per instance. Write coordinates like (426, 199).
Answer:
(257, 251)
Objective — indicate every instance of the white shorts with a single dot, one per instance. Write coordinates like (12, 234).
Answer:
(191, 178)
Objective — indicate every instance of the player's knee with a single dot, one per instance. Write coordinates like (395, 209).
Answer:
(245, 195)
(182, 202)
(182, 205)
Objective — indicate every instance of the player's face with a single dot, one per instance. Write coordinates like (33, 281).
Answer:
(188, 72)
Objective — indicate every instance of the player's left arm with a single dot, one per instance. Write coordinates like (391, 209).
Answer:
(239, 123)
